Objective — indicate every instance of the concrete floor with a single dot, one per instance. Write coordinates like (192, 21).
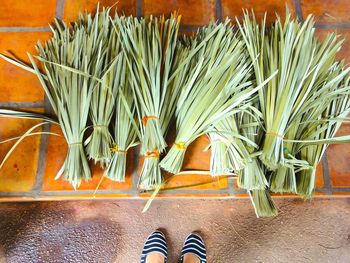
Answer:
(114, 231)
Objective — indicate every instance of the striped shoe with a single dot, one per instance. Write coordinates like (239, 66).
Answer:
(194, 244)
(155, 243)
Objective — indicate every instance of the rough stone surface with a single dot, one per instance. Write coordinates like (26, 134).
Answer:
(114, 231)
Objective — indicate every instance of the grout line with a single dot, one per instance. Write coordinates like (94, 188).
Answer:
(135, 171)
(188, 28)
(218, 10)
(298, 10)
(25, 29)
(40, 171)
(44, 141)
(326, 177)
(139, 8)
(60, 9)
(16, 194)
(341, 189)
(231, 186)
(22, 104)
(334, 26)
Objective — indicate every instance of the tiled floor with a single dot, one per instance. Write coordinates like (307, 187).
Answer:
(30, 171)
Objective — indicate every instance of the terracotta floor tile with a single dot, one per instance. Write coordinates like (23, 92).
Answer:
(195, 13)
(327, 11)
(17, 84)
(234, 8)
(344, 53)
(56, 155)
(19, 171)
(196, 157)
(338, 161)
(319, 176)
(21, 13)
(73, 7)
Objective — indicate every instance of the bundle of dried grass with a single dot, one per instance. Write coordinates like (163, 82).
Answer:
(126, 131)
(301, 108)
(73, 63)
(103, 98)
(150, 48)
(217, 82)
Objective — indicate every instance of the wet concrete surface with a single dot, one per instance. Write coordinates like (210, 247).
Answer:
(114, 231)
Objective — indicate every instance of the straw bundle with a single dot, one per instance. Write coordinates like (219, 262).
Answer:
(228, 153)
(313, 131)
(216, 84)
(150, 48)
(302, 63)
(303, 107)
(125, 128)
(102, 104)
(253, 177)
(73, 62)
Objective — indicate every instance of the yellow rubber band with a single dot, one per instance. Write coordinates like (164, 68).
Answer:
(115, 149)
(180, 145)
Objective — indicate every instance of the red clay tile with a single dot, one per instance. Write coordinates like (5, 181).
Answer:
(56, 154)
(22, 13)
(72, 8)
(338, 161)
(232, 9)
(326, 11)
(344, 53)
(319, 176)
(17, 84)
(19, 171)
(194, 13)
(197, 158)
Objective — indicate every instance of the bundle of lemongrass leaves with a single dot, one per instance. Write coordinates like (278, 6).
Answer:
(82, 74)
(74, 60)
(125, 128)
(301, 109)
(270, 100)
(99, 143)
(153, 56)
(216, 84)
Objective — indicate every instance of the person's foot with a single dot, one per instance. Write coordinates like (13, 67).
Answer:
(193, 250)
(155, 249)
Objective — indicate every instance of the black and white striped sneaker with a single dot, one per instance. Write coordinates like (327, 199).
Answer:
(194, 244)
(155, 243)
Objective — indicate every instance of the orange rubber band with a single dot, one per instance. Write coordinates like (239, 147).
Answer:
(146, 118)
(154, 154)
(275, 135)
(180, 145)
